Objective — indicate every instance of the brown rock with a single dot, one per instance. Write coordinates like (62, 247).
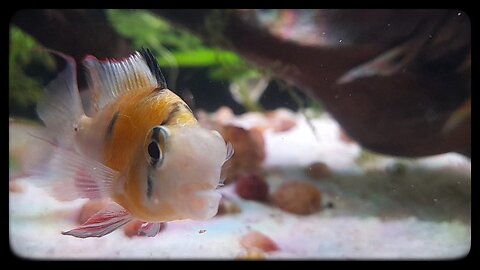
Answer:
(298, 198)
(416, 93)
(249, 148)
(252, 254)
(281, 120)
(318, 170)
(252, 187)
(131, 229)
(258, 241)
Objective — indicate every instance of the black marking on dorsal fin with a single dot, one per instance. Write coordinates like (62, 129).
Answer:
(154, 67)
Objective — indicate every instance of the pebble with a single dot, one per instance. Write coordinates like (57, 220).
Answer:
(298, 198)
(319, 170)
(252, 187)
(255, 240)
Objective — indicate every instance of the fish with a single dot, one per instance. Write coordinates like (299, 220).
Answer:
(140, 147)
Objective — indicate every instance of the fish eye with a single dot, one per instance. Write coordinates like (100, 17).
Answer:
(155, 145)
(154, 150)
(154, 154)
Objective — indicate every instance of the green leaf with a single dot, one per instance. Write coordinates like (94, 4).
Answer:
(202, 58)
(25, 90)
(148, 30)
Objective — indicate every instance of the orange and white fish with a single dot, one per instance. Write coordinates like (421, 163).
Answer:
(143, 147)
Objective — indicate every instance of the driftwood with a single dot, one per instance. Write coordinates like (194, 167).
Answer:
(415, 75)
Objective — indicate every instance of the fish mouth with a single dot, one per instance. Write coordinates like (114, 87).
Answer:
(204, 204)
(200, 201)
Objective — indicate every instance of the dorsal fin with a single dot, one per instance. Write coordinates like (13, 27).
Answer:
(61, 107)
(110, 78)
(154, 67)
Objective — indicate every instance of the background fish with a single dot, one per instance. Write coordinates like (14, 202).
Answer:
(142, 148)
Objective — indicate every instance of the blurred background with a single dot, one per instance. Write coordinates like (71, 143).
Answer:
(201, 73)
(351, 128)
(397, 81)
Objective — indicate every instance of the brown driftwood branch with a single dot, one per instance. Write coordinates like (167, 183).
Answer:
(400, 114)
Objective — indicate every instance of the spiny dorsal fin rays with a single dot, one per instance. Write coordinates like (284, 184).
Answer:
(109, 79)
(154, 67)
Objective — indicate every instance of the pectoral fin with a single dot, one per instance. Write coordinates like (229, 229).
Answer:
(70, 175)
(102, 223)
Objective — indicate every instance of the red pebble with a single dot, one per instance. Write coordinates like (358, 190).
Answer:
(319, 170)
(252, 187)
(256, 240)
(298, 198)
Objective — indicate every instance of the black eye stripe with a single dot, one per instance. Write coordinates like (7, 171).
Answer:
(149, 186)
(156, 134)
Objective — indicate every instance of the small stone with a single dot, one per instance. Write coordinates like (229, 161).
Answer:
(319, 170)
(202, 231)
(249, 148)
(252, 254)
(281, 120)
(256, 240)
(298, 198)
(252, 187)
(131, 229)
